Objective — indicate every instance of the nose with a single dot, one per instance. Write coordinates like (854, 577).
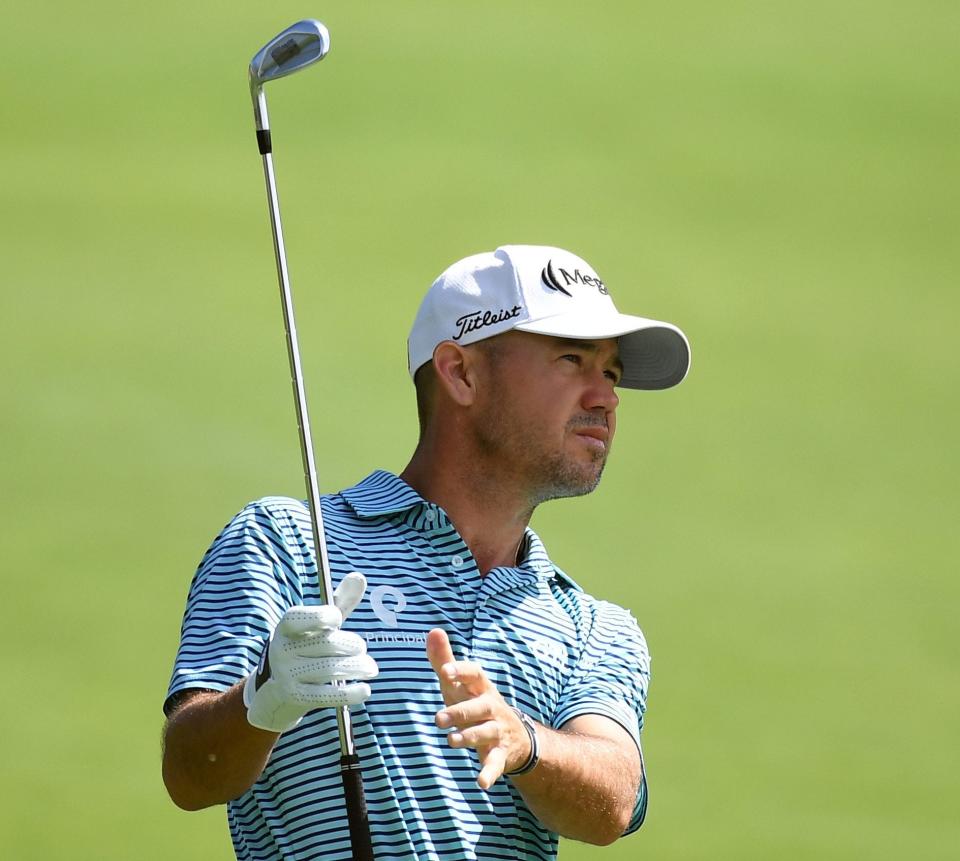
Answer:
(600, 394)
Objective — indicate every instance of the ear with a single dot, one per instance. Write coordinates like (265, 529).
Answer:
(454, 372)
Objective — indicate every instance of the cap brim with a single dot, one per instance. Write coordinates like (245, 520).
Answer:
(655, 355)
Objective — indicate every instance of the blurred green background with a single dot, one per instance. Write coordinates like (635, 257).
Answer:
(780, 179)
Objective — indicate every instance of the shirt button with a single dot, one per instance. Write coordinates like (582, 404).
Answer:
(431, 515)
(457, 561)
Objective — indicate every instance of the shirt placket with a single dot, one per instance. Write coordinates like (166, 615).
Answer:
(456, 562)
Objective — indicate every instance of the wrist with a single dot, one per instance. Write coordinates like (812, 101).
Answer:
(268, 706)
(534, 758)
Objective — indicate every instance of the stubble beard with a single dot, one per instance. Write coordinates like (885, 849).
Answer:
(546, 473)
(562, 478)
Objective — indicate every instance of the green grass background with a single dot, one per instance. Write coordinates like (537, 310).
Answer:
(781, 179)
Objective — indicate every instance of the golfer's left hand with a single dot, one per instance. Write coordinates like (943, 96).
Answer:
(476, 713)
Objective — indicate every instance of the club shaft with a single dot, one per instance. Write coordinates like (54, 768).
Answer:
(299, 393)
(303, 425)
(357, 815)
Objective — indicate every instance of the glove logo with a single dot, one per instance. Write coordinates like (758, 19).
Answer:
(263, 670)
(379, 598)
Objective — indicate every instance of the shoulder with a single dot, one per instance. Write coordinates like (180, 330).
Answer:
(283, 512)
(606, 631)
(594, 610)
(276, 506)
(265, 531)
(280, 519)
(265, 518)
(268, 508)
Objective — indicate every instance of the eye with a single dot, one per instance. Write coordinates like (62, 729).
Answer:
(572, 357)
(613, 376)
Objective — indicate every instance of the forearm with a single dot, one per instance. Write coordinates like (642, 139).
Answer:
(211, 753)
(584, 787)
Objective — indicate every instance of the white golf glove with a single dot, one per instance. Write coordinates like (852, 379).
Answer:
(305, 654)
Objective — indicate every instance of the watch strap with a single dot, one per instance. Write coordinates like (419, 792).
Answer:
(534, 758)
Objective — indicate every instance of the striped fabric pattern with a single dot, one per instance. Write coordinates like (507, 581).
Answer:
(552, 651)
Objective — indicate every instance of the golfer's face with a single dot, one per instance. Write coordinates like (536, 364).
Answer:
(550, 408)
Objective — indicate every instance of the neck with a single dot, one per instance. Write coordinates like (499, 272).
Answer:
(490, 514)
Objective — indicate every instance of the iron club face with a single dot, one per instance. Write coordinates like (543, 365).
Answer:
(297, 47)
(300, 45)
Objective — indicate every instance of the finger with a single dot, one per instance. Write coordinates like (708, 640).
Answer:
(439, 652)
(301, 620)
(331, 696)
(493, 765)
(472, 677)
(482, 735)
(323, 670)
(325, 644)
(349, 593)
(466, 713)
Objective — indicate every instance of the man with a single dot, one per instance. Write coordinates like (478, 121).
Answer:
(522, 720)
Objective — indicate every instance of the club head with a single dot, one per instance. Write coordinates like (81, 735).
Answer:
(297, 47)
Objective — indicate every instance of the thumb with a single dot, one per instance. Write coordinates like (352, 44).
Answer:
(438, 649)
(349, 593)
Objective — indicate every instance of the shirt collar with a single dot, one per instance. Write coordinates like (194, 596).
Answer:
(533, 556)
(382, 493)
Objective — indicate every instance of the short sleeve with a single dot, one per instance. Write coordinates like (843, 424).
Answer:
(244, 584)
(611, 678)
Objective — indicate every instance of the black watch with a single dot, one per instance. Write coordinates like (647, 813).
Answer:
(531, 729)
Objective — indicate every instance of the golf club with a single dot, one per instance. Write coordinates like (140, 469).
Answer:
(297, 47)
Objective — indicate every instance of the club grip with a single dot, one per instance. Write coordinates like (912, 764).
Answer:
(356, 807)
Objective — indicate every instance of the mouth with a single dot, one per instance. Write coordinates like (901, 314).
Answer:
(595, 437)
(594, 431)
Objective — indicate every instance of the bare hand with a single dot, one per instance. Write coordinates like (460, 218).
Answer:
(481, 718)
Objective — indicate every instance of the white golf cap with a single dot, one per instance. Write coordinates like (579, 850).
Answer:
(547, 291)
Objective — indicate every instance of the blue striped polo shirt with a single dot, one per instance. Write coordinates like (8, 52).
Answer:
(551, 650)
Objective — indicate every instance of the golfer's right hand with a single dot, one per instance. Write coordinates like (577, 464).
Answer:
(305, 655)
